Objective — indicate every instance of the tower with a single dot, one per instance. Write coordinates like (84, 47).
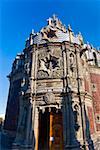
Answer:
(49, 91)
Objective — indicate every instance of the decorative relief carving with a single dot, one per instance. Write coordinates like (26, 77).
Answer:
(57, 73)
(56, 23)
(57, 52)
(48, 33)
(49, 98)
(43, 66)
(42, 74)
(54, 84)
(42, 54)
(49, 66)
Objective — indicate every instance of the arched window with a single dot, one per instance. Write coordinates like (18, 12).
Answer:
(95, 58)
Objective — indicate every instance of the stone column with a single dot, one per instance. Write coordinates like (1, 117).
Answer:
(71, 138)
(28, 128)
(82, 105)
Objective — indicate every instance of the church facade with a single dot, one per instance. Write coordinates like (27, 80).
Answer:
(54, 93)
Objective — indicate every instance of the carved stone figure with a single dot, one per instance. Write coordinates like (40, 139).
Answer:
(49, 64)
(43, 67)
(72, 64)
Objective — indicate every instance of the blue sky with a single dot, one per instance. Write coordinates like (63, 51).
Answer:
(19, 17)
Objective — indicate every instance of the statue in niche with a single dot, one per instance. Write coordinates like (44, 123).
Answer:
(72, 64)
(76, 116)
(71, 58)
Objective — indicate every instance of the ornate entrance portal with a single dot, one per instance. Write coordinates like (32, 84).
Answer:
(50, 130)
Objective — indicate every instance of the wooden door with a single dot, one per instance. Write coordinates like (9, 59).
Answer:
(56, 131)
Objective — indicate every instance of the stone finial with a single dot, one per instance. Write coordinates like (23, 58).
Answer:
(49, 21)
(54, 17)
(71, 34)
(30, 40)
(56, 21)
(52, 21)
(69, 27)
(80, 38)
(92, 46)
(88, 45)
(33, 31)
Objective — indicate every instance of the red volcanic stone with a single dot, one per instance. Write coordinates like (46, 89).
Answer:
(95, 79)
(98, 127)
(90, 118)
(86, 82)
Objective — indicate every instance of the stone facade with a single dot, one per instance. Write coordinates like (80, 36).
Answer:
(54, 98)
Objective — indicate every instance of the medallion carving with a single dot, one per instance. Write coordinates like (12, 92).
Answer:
(49, 98)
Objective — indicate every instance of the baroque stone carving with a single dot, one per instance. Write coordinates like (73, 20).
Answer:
(43, 66)
(72, 65)
(48, 65)
(57, 73)
(42, 74)
(55, 22)
(49, 98)
(48, 33)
